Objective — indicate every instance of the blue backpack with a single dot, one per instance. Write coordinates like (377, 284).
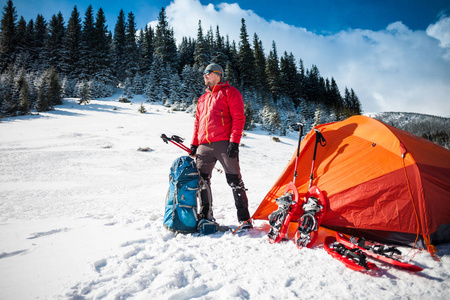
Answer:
(181, 201)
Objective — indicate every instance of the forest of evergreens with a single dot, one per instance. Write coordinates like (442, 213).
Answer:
(42, 61)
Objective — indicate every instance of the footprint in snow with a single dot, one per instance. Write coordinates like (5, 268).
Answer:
(99, 264)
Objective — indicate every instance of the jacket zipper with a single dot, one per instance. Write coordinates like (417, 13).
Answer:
(221, 115)
(207, 114)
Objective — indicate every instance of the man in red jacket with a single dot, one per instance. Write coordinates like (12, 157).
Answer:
(219, 123)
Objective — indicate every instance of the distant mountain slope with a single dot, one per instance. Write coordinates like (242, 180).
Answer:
(433, 128)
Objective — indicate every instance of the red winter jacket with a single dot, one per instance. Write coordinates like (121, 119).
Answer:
(220, 115)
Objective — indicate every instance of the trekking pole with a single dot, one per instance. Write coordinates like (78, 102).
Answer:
(300, 129)
(319, 140)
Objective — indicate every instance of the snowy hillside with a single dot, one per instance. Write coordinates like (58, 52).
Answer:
(433, 128)
(82, 208)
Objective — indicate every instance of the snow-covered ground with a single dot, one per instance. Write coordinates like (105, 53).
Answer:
(81, 214)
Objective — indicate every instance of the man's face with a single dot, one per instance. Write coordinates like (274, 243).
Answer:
(211, 79)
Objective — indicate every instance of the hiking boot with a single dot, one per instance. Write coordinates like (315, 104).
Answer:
(246, 225)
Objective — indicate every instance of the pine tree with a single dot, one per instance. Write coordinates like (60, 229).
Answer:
(24, 93)
(289, 77)
(260, 76)
(29, 46)
(72, 40)
(156, 87)
(43, 102)
(321, 91)
(87, 46)
(273, 72)
(210, 40)
(175, 89)
(84, 92)
(202, 57)
(54, 88)
(150, 89)
(271, 120)
(23, 45)
(10, 100)
(128, 89)
(232, 67)
(119, 42)
(55, 41)
(164, 43)
(301, 79)
(103, 84)
(218, 53)
(312, 85)
(249, 116)
(192, 84)
(138, 84)
(346, 110)
(142, 109)
(131, 50)
(40, 54)
(246, 59)
(146, 49)
(164, 82)
(8, 31)
(335, 101)
(355, 104)
(186, 52)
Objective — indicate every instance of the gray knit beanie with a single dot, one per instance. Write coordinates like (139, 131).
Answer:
(215, 68)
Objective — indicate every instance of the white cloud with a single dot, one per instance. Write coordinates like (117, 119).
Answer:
(441, 31)
(396, 69)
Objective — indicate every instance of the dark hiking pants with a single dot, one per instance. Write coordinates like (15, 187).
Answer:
(207, 156)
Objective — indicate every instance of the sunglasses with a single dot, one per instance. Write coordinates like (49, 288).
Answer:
(207, 72)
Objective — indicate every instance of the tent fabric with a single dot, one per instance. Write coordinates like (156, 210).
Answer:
(377, 178)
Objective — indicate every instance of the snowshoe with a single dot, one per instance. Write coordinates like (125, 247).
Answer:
(354, 259)
(383, 253)
(279, 220)
(314, 207)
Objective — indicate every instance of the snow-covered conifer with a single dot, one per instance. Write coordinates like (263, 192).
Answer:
(72, 44)
(83, 92)
(8, 29)
(43, 103)
(55, 41)
(23, 91)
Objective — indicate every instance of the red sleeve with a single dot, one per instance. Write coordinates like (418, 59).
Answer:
(236, 105)
(195, 135)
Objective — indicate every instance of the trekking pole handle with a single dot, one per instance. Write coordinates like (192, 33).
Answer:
(165, 138)
(300, 129)
(177, 139)
(319, 138)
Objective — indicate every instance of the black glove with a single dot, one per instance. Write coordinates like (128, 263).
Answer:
(193, 150)
(233, 150)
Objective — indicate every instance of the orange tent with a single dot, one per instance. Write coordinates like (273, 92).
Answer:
(380, 182)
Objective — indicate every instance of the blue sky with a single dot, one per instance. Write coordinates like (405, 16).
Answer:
(395, 54)
(320, 16)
